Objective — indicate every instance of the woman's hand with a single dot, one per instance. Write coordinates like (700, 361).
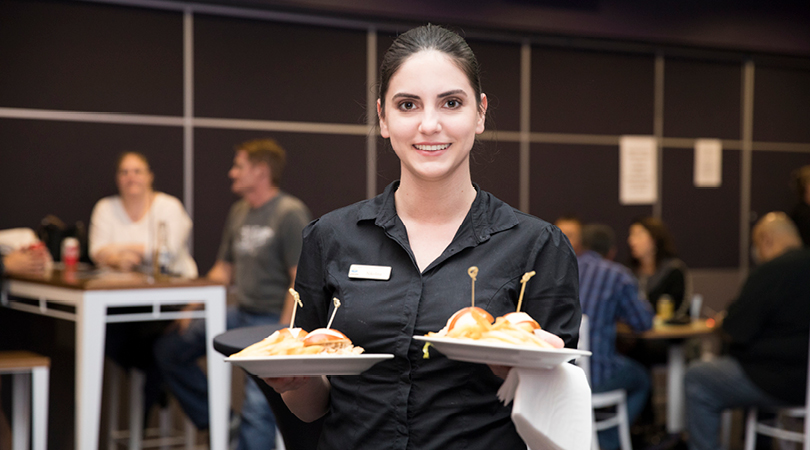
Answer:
(284, 384)
(500, 371)
(552, 339)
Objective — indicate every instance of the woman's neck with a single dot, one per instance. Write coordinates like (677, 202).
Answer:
(434, 201)
(137, 207)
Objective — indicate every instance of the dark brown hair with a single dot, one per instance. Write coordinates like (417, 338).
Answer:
(801, 178)
(664, 244)
(429, 37)
(266, 151)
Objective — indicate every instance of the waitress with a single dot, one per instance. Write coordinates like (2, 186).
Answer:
(427, 228)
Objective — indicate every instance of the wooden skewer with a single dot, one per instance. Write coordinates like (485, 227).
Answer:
(296, 304)
(337, 305)
(473, 273)
(523, 281)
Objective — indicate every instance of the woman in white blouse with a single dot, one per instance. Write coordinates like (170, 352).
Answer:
(124, 227)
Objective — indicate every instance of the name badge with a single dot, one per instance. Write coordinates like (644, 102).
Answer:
(370, 272)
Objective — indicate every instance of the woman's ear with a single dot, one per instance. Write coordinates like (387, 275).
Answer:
(383, 127)
(482, 115)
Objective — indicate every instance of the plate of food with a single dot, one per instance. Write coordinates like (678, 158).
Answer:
(514, 339)
(294, 352)
(502, 354)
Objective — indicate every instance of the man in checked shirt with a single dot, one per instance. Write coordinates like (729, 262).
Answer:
(608, 294)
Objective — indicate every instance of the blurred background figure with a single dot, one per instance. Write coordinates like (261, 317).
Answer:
(767, 331)
(571, 226)
(801, 212)
(608, 294)
(125, 229)
(25, 261)
(654, 261)
(258, 254)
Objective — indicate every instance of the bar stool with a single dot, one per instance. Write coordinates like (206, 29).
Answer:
(20, 364)
(163, 437)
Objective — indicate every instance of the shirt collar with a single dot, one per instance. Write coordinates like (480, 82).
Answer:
(488, 214)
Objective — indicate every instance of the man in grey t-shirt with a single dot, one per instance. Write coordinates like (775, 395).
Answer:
(258, 255)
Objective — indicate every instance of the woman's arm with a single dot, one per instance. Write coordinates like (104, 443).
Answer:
(307, 397)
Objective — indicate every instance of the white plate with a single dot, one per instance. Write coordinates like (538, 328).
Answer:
(502, 354)
(308, 365)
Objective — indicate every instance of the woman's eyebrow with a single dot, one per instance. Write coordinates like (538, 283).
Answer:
(452, 92)
(405, 95)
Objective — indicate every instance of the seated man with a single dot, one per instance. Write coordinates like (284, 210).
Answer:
(767, 326)
(608, 293)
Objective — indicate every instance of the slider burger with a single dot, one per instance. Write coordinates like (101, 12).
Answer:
(331, 341)
(469, 316)
(523, 321)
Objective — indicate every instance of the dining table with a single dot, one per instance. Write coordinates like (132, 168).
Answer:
(675, 334)
(92, 298)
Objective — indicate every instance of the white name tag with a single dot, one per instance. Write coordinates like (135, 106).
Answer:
(370, 272)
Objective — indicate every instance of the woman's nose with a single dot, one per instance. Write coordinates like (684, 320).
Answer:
(430, 123)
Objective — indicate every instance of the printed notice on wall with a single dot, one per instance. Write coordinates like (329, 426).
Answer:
(638, 170)
(708, 162)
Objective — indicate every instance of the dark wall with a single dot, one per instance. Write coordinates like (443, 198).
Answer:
(78, 56)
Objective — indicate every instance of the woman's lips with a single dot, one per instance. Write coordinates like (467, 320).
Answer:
(431, 147)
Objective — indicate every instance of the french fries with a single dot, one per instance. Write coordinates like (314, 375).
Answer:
(279, 343)
(502, 331)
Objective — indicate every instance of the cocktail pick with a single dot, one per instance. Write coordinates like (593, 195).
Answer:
(337, 305)
(473, 272)
(523, 281)
(296, 304)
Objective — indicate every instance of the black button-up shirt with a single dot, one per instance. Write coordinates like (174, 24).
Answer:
(410, 402)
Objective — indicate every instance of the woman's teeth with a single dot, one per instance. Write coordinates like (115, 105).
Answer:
(432, 147)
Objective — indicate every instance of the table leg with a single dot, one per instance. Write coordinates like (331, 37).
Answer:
(219, 375)
(90, 331)
(675, 393)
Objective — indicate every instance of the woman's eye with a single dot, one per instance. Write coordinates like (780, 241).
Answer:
(406, 105)
(453, 104)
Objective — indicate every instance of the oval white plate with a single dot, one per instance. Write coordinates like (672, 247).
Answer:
(309, 365)
(502, 354)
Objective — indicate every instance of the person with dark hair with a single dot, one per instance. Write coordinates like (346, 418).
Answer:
(601, 239)
(571, 226)
(766, 329)
(259, 254)
(654, 261)
(428, 228)
(608, 293)
(801, 212)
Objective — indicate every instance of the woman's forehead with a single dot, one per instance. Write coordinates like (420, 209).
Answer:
(429, 69)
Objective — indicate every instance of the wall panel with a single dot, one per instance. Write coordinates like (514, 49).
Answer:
(252, 69)
(591, 92)
(702, 99)
(581, 180)
(704, 221)
(86, 57)
(781, 104)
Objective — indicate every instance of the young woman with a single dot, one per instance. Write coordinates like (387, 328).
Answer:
(124, 228)
(428, 228)
(654, 261)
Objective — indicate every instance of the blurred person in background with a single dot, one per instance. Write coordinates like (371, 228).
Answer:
(571, 226)
(124, 227)
(123, 235)
(766, 329)
(801, 212)
(258, 254)
(654, 261)
(608, 294)
(25, 261)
